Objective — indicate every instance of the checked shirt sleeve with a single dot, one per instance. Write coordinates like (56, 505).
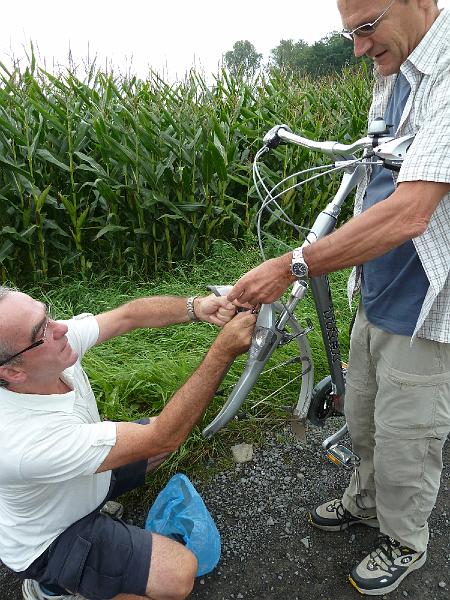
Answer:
(428, 159)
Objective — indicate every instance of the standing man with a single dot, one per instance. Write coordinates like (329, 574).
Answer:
(59, 462)
(397, 401)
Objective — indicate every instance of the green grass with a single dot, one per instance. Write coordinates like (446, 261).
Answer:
(135, 375)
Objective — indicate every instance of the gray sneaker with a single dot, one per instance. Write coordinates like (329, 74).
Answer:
(113, 509)
(31, 590)
(384, 568)
(332, 516)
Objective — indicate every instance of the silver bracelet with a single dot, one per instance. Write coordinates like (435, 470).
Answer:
(190, 309)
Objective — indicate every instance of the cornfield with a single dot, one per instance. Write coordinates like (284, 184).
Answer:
(120, 174)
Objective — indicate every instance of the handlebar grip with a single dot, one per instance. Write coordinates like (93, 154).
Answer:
(272, 139)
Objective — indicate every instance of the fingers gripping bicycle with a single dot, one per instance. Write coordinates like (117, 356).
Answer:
(277, 324)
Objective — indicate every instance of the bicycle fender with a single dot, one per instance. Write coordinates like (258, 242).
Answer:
(253, 368)
(240, 392)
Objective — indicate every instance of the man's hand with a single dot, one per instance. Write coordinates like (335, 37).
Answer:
(235, 337)
(217, 310)
(265, 283)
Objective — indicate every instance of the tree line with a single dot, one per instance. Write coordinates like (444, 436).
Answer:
(329, 55)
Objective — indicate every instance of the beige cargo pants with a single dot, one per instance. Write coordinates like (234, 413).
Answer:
(397, 407)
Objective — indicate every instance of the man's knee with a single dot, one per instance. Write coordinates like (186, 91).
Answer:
(183, 576)
(172, 570)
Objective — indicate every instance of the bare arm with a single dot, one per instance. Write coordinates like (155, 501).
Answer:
(167, 431)
(402, 216)
(160, 311)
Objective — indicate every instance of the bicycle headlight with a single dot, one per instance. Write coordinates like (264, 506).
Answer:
(262, 341)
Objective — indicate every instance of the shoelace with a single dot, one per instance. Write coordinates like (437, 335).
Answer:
(342, 513)
(386, 552)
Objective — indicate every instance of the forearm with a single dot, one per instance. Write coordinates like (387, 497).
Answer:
(388, 224)
(363, 238)
(171, 427)
(166, 432)
(160, 311)
(155, 311)
(189, 403)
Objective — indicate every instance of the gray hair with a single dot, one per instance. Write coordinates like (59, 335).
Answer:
(6, 348)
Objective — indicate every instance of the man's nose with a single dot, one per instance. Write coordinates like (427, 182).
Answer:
(361, 45)
(59, 329)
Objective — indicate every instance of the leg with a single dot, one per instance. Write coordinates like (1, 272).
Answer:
(412, 418)
(358, 501)
(172, 572)
(412, 421)
(361, 389)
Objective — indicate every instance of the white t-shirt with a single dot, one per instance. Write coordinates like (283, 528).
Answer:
(50, 448)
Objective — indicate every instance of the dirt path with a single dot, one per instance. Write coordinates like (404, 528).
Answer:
(268, 549)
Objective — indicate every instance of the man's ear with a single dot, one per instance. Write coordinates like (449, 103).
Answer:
(12, 374)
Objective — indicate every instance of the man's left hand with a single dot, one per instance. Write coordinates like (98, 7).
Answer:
(214, 309)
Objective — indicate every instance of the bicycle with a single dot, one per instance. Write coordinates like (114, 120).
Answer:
(277, 324)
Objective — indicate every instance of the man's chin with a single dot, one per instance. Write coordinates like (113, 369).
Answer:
(72, 359)
(386, 68)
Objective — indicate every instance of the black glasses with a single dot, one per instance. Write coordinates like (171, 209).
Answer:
(31, 346)
(366, 29)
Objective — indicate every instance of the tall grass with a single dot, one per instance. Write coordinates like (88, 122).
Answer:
(121, 174)
(133, 376)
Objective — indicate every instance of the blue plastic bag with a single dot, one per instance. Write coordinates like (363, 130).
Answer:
(180, 513)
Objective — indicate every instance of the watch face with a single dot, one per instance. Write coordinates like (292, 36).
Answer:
(299, 269)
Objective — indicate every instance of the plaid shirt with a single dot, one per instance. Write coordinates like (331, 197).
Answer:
(427, 115)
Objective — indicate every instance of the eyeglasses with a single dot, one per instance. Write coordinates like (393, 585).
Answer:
(368, 28)
(31, 346)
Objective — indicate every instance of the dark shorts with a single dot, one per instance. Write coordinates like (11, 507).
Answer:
(98, 556)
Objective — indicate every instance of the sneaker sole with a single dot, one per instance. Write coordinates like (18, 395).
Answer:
(366, 522)
(386, 590)
(113, 509)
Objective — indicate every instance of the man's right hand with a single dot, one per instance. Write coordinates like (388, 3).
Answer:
(265, 283)
(236, 335)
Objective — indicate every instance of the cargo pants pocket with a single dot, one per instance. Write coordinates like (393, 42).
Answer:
(72, 569)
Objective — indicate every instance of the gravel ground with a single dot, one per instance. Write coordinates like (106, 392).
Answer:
(270, 551)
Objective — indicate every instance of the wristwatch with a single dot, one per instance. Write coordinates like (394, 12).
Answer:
(190, 309)
(299, 267)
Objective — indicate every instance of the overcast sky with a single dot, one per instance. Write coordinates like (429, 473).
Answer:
(169, 36)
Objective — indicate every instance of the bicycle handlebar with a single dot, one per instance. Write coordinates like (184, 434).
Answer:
(378, 143)
(331, 147)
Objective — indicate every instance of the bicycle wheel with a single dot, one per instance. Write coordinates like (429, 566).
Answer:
(259, 354)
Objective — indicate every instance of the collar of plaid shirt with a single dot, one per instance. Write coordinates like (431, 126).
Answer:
(427, 115)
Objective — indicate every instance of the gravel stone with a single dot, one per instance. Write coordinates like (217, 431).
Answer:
(242, 453)
(253, 503)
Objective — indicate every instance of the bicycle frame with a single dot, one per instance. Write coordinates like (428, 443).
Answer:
(269, 330)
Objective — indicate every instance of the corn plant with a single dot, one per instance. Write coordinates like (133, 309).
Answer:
(120, 174)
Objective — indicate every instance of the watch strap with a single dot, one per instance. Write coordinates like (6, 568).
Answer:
(190, 309)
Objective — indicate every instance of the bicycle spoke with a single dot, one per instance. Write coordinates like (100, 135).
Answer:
(278, 389)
